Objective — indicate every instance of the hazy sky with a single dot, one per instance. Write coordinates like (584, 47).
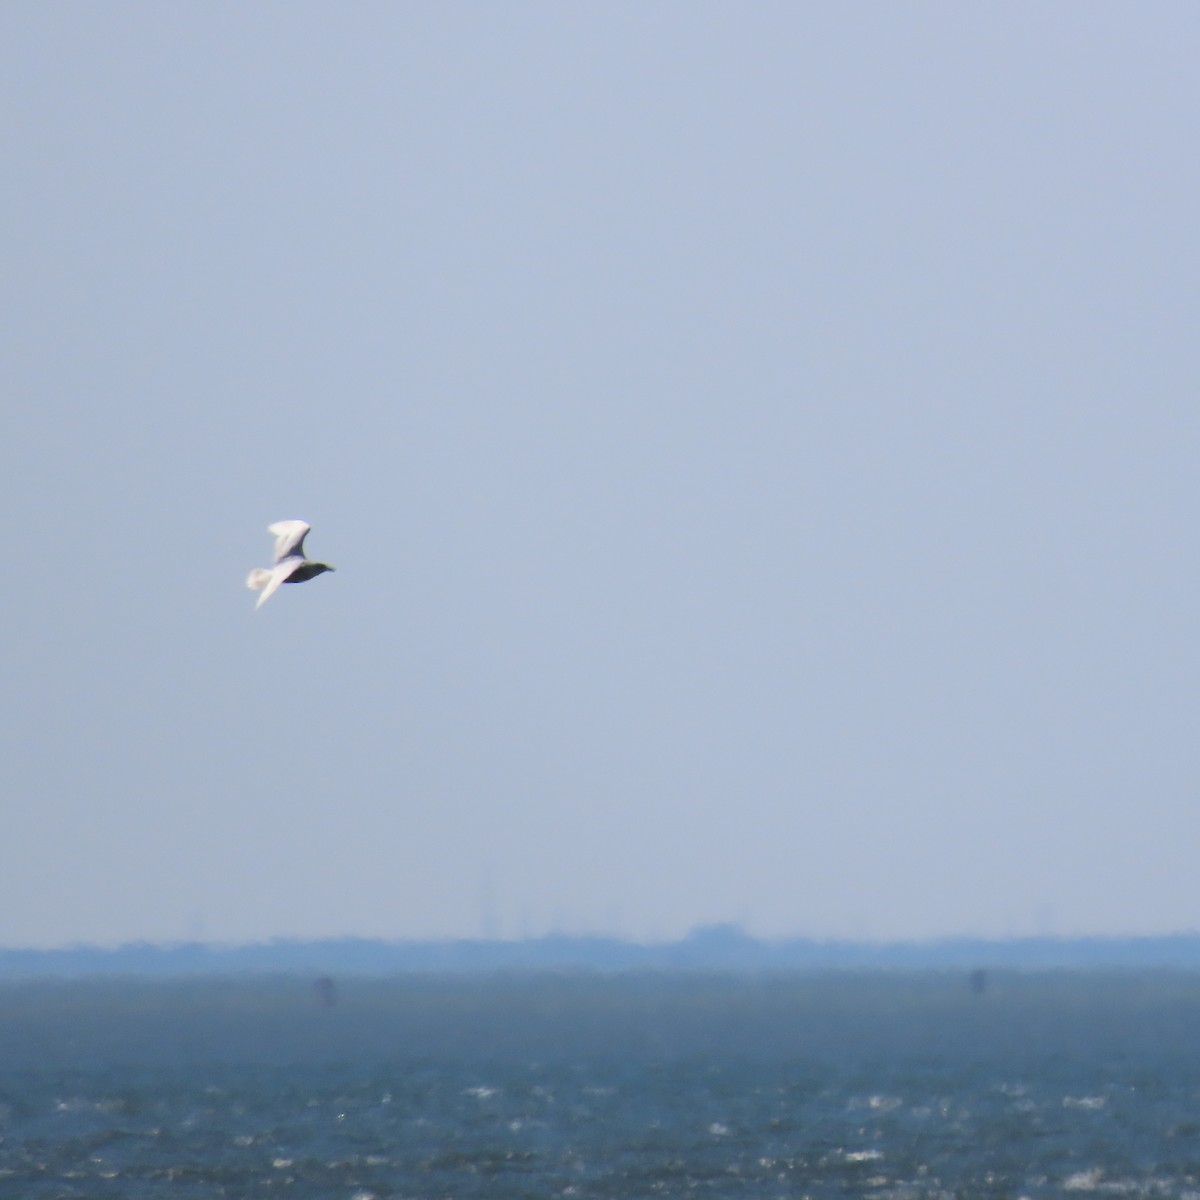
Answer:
(758, 444)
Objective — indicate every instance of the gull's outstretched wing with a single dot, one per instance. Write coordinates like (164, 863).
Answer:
(289, 539)
(278, 575)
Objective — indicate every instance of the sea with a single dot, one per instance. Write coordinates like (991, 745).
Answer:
(874, 1084)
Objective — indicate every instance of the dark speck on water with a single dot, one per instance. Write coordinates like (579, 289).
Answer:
(886, 1084)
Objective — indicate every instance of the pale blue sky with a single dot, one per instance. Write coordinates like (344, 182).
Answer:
(757, 443)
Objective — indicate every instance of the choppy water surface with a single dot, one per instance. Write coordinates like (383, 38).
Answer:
(908, 1086)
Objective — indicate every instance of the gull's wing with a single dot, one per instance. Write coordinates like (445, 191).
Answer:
(280, 572)
(289, 539)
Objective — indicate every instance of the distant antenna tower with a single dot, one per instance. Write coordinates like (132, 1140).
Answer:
(489, 924)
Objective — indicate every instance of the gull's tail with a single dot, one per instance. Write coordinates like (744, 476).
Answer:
(266, 583)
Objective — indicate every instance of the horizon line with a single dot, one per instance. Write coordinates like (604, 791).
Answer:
(729, 933)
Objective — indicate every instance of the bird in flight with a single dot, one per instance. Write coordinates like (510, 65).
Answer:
(290, 564)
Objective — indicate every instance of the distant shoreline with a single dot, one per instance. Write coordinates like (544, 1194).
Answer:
(712, 948)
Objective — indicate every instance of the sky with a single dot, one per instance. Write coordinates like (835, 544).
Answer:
(757, 445)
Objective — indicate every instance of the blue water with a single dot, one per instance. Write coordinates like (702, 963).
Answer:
(640, 1086)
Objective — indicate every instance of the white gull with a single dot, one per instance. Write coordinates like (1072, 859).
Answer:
(290, 564)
